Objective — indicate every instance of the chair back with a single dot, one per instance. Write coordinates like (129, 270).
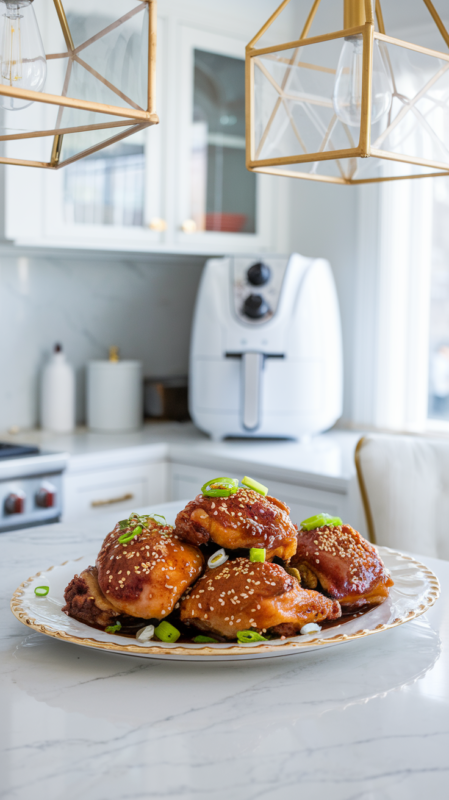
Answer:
(404, 483)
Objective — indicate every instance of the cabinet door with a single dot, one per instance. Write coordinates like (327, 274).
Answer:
(221, 206)
(304, 502)
(121, 490)
(112, 198)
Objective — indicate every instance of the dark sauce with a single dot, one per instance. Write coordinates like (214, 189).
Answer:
(131, 625)
(334, 623)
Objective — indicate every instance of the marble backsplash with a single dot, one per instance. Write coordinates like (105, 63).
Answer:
(143, 304)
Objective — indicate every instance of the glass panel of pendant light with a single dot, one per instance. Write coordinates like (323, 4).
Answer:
(293, 107)
(417, 124)
(308, 103)
(92, 52)
(107, 187)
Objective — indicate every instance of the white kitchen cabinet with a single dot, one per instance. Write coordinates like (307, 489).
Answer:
(92, 492)
(220, 205)
(181, 186)
(304, 501)
(110, 200)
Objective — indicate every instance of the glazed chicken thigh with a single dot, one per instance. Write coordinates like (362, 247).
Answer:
(245, 519)
(147, 576)
(260, 596)
(344, 565)
(85, 600)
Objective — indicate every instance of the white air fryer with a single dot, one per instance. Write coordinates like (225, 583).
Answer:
(266, 351)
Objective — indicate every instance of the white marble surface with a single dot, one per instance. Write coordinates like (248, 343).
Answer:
(365, 721)
(326, 461)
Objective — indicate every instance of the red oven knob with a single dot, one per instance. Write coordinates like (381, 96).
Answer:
(15, 504)
(46, 497)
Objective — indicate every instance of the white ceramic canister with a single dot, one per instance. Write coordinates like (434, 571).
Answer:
(114, 396)
(57, 406)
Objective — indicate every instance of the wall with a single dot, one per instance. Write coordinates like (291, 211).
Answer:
(324, 222)
(89, 302)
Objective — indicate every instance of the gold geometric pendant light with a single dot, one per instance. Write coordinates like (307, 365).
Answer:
(353, 106)
(90, 84)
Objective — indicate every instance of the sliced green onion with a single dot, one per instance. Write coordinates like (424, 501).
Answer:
(220, 487)
(126, 523)
(312, 627)
(114, 628)
(319, 521)
(125, 538)
(217, 559)
(204, 640)
(155, 516)
(166, 632)
(41, 591)
(257, 554)
(145, 634)
(255, 486)
(246, 637)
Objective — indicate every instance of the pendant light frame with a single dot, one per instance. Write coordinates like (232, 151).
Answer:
(364, 149)
(132, 119)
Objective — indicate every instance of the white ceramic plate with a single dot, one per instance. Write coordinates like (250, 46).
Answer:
(415, 590)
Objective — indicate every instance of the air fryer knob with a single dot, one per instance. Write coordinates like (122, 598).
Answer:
(259, 274)
(255, 306)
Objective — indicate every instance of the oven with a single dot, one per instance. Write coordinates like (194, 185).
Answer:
(30, 486)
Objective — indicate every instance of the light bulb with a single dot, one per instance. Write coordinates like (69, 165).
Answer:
(348, 85)
(22, 58)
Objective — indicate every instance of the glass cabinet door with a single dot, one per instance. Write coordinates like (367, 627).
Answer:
(222, 191)
(221, 204)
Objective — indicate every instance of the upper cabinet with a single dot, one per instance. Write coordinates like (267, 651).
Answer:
(219, 204)
(181, 186)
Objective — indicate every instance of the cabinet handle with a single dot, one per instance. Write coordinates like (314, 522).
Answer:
(157, 224)
(122, 499)
(189, 226)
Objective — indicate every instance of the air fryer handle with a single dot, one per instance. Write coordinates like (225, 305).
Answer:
(252, 365)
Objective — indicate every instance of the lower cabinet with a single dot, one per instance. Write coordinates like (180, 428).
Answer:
(186, 482)
(123, 489)
(92, 491)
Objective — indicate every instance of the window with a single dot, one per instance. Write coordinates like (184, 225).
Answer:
(438, 408)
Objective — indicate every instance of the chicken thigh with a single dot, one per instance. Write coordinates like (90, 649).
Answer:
(85, 600)
(261, 596)
(344, 565)
(146, 576)
(245, 519)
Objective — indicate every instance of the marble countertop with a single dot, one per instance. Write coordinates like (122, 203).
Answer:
(326, 461)
(365, 721)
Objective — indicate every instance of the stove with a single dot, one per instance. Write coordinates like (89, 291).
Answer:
(30, 486)
(12, 450)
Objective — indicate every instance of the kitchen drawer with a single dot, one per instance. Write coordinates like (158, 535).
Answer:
(186, 482)
(305, 502)
(122, 489)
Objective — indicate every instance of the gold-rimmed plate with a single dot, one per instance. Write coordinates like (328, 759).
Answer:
(415, 590)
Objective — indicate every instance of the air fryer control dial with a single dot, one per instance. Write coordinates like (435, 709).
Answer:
(259, 274)
(255, 307)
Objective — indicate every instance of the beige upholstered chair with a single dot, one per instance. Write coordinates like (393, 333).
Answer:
(404, 482)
